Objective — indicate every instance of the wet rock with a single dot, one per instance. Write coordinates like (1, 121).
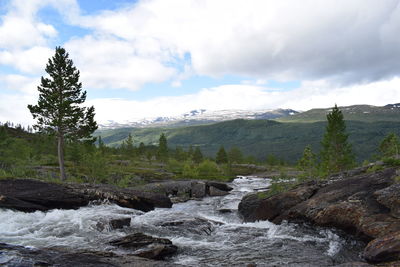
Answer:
(219, 186)
(354, 264)
(146, 246)
(214, 192)
(385, 248)
(128, 198)
(200, 226)
(390, 197)
(254, 207)
(18, 256)
(29, 195)
(113, 224)
(181, 191)
(361, 203)
(198, 189)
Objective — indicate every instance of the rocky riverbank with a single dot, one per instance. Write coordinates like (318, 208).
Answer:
(363, 203)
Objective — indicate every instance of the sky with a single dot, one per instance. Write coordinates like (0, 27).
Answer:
(150, 58)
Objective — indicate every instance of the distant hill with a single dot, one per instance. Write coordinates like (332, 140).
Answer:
(260, 137)
(364, 113)
(199, 117)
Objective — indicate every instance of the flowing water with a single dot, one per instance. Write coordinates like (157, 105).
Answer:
(207, 232)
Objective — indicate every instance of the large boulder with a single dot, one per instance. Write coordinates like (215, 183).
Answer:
(124, 197)
(181, 191)
(385, 248)
(30, 195)
(390, 197)
(146, 246)
(254, 207)
(18, 256)
(366, 204)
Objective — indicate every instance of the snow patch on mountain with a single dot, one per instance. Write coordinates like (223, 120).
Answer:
(199, 116)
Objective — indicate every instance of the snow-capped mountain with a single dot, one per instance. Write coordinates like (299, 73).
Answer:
(200, 116)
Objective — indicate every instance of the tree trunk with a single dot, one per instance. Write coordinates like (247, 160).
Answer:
(63, 177)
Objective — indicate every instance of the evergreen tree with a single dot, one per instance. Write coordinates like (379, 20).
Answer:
(308, 164)
(336, 153)
(162, 152)
(128, 146)
(221, 157)
(141, 149)
(190, 152)
(179, 154)
(102, 146)
(59, 109)
(197, 155)
(390, 145)
(235, 155)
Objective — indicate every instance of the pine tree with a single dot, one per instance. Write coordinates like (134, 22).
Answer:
(390, 145)
(141, 149)
(336, 153)
(197, 155)
(222, 157)
(162, 152)
(308, 164)
(128, 146)
(59, 109)
(235, 155)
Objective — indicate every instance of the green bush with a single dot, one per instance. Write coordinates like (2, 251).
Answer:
(208, 170)
(392, 162)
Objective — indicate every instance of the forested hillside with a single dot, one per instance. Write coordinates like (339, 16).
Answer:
(260, 138)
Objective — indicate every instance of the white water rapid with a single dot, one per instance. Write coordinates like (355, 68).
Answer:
(207, 232)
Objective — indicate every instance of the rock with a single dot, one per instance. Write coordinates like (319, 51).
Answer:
(219, 186)
(362, 203)
(385, 248)
(195, 225)
(18, 256)
(181, 191)
(128, 198)
(354, 264)
(146, 246)
(390, 197)
(113, 224)
(198, 189)
(29, 195)
(215, 192)
(120, 223)
(253, 207)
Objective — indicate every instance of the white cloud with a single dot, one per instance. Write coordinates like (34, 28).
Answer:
(32, 60)
(346, 41)
(309, 95)
(111, 63)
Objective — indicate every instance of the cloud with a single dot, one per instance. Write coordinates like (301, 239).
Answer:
(107, 62)
(343, 41)
(311, 94)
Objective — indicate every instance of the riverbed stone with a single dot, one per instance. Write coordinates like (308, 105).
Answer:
(30, 195)
(385, 248)
(146, 246)
(358, 202)
(214, 192)
(390, 197)
(19, 256)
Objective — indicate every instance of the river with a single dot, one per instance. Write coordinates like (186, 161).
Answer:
(208, 232)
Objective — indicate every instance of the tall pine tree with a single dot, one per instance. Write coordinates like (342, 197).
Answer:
(222, 156)
(59, 109)
(336, 153)
(162, 152)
